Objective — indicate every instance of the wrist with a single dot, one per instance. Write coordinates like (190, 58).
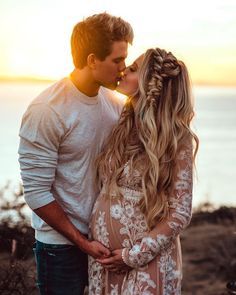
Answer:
(124, 255)
(82, 242)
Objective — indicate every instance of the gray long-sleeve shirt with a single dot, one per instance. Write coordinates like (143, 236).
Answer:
(61, 134)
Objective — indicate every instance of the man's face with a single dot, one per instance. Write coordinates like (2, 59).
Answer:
(108, 72)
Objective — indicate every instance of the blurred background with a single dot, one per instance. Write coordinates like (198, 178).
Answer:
(35, 52)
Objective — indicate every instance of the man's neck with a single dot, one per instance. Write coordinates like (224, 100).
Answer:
(84, 82)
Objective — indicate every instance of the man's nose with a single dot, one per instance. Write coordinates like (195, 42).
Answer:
(125, 71)
(122, 67)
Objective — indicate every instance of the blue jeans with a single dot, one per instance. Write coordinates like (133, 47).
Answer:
(61, 269)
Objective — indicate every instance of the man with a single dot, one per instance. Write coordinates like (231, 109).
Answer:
(62, 132)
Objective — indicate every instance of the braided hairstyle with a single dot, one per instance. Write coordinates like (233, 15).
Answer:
(152, 131)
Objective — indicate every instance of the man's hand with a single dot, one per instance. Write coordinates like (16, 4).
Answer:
(115, 262)
(54, 216)
(94, 249)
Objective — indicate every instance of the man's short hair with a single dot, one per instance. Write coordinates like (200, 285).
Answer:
(96, 35)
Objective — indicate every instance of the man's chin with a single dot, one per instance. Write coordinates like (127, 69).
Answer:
(120, 90)
(111, 86)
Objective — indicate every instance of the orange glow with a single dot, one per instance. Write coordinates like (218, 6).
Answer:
(36, 44)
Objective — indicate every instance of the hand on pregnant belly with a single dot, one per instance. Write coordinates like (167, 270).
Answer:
(114, 262)
(94, 249)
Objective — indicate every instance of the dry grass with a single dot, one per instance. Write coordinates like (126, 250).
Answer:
(209, 259)
(209, 252)
(17, 278)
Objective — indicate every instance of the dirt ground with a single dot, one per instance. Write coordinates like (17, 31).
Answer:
(209, 260)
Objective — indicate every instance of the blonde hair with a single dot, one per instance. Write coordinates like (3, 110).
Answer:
(152, 131)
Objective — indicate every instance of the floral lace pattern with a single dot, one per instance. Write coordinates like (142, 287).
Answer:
(130, 178)
(133, 222)
(180, 209)
(96, 277)
(138, 283)
(154, 256)
(171, 279)
(141, 254)
(101, 229)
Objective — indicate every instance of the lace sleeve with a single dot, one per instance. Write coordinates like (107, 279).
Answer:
(180, 207)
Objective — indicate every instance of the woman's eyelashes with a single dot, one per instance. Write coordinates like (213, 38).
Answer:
(132, 68)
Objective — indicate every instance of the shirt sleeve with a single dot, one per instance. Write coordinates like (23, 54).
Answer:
(40, 136)
(180, 207)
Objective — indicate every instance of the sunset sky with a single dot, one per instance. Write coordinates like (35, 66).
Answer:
(35, 34)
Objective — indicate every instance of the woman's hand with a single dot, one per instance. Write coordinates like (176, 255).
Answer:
(115, 262)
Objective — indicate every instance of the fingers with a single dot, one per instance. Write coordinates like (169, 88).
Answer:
(100, 250)
(105, 252)
(106, 261)
(115, 252)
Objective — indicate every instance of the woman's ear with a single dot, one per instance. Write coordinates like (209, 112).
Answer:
(91, 61)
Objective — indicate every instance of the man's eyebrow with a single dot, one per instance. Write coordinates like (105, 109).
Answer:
(119, 58)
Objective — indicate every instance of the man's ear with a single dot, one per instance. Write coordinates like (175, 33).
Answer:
(91, 61)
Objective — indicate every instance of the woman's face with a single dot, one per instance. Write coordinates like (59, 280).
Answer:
(129, 82)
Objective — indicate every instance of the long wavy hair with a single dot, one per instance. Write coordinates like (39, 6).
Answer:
(151, 131)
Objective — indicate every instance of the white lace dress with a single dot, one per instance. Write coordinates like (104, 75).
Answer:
(155, 256)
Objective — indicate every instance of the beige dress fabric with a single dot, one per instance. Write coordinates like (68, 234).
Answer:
(155, 256)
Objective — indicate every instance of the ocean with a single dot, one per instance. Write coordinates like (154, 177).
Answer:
(214, 123)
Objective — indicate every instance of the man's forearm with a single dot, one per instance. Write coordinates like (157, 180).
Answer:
(54, 216)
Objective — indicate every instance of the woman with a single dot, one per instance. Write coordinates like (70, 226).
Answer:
(145, 173)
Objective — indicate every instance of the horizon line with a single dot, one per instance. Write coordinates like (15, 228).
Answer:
(22, 79)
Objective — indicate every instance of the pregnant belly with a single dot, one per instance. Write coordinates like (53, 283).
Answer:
(117, 223)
